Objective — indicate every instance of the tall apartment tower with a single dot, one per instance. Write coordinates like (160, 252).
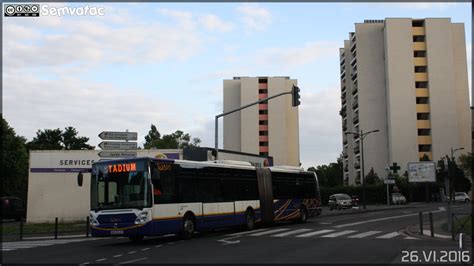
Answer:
(408, 79)
(270, 128)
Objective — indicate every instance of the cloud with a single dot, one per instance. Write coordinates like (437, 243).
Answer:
(296, 56)
(422, 6)
(214, 23)
(254, 17)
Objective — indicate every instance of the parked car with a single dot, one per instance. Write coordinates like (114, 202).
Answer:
(461, 197)
(398, 198)
(13, 208)
(355, 200)
(339, 201)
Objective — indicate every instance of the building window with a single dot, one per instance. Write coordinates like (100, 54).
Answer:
(419, 53)
(424, 148)
(264, 153)
(263, 122)
(263, 91)
(424, 132)
(422, 100)
(419, 38)
(263, 143)
(421, 84)
(423, 116)
(421, 69)
(262, 80)
(264, 102)
(417, 23)
(263, 112)
(263, 133)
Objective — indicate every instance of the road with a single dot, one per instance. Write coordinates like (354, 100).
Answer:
(336, 237)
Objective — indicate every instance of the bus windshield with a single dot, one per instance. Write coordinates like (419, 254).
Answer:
(118, 185)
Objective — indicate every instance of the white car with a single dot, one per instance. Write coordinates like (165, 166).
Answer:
(398, 198)
(461, 197)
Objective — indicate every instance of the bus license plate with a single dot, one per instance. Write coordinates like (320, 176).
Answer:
(116, 232)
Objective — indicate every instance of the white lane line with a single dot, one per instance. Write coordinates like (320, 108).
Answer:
(410, 237)
(389, 235)
(119, 255)
(247, 232)
(325, 222)
(131, 252)
(291, 232)
(270, 232)
(158, 246)
(130, 261)
(316, 233)
(143, 249)
(101, 259)
(440, 209)
(345, 232)
(170, 243)
(362, 235)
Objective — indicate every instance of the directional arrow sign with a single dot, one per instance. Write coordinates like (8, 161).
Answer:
(116, 145)
(112, 135)
(118, 154)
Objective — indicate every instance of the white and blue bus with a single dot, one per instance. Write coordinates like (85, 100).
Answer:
(151, 197)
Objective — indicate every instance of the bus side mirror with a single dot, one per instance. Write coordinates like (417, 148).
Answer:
(80, 178)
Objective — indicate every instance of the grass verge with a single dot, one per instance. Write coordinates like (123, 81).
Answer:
(466, 220)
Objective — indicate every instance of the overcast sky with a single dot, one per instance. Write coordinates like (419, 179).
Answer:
(164, 64)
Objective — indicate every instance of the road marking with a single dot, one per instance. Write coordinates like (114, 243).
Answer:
(316, 233)
(143, 249)
(270, 232)
(440, 209)
(410, 237)
(247, 232)
(291, 232)
(158, 246)
(325, 222)
(101, 259)
(131, 252)
(428, 233)
(345, 232)
(362, 235)
(170, 243)
(119, 255)
(130, 261)
(389, 235)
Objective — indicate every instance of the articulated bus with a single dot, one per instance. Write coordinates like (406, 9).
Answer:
(150, 197)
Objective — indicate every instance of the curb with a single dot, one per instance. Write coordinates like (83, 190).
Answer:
(427, 235)
(367, 210)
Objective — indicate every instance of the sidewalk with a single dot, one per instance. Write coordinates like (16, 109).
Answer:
(439, 232)
(369, 208)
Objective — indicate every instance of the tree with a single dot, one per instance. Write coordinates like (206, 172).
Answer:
(425, 157)
(56, 139)
(466, 163)
(372, 178)
(14, 162)
(329, 175)
(176, 140)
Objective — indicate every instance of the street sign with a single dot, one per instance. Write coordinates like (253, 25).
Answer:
(118, 154)
(113, 135)
(389, 181)
(117, 145)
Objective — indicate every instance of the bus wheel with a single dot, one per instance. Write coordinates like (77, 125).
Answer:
(136, 238)
(188, 227)
(249, 220)
(303, 215)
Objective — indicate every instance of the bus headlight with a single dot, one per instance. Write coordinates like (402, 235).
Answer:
(142, 218)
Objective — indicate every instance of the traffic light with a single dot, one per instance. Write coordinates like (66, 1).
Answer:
(295, 96)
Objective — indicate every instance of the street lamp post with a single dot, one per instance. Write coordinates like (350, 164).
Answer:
(361, 136)
(448, 187)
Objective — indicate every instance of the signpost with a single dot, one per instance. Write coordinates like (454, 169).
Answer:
(118, 149)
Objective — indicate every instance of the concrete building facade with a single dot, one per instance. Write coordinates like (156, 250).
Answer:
(270, 129)
(406, 78)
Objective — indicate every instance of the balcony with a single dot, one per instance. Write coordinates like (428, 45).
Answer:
(262, 86)
(343, 75)
(354, 77)
(422, 93)
(353, 61)
(424, 140)
(262, 96)
(422, 108)
(418, 31)
(263, 127)
(421, 76)
(263, 149)
(263, 117)
(420, 61)
(263, 106)
(356, 149)
(346, 168)
(423, 124)
(355, 103)
(419, 46)
(355, 119)
(357, 165)
(263, 138)
(354, 90)
(353, 46)
(343, 88)
(343, 112)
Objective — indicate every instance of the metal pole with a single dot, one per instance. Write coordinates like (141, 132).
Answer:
(421, 223)
(452, 227)
(431, 224)
(238, 109)
(388, 199)
(56, 228)
(362, 169)
(216, 133)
